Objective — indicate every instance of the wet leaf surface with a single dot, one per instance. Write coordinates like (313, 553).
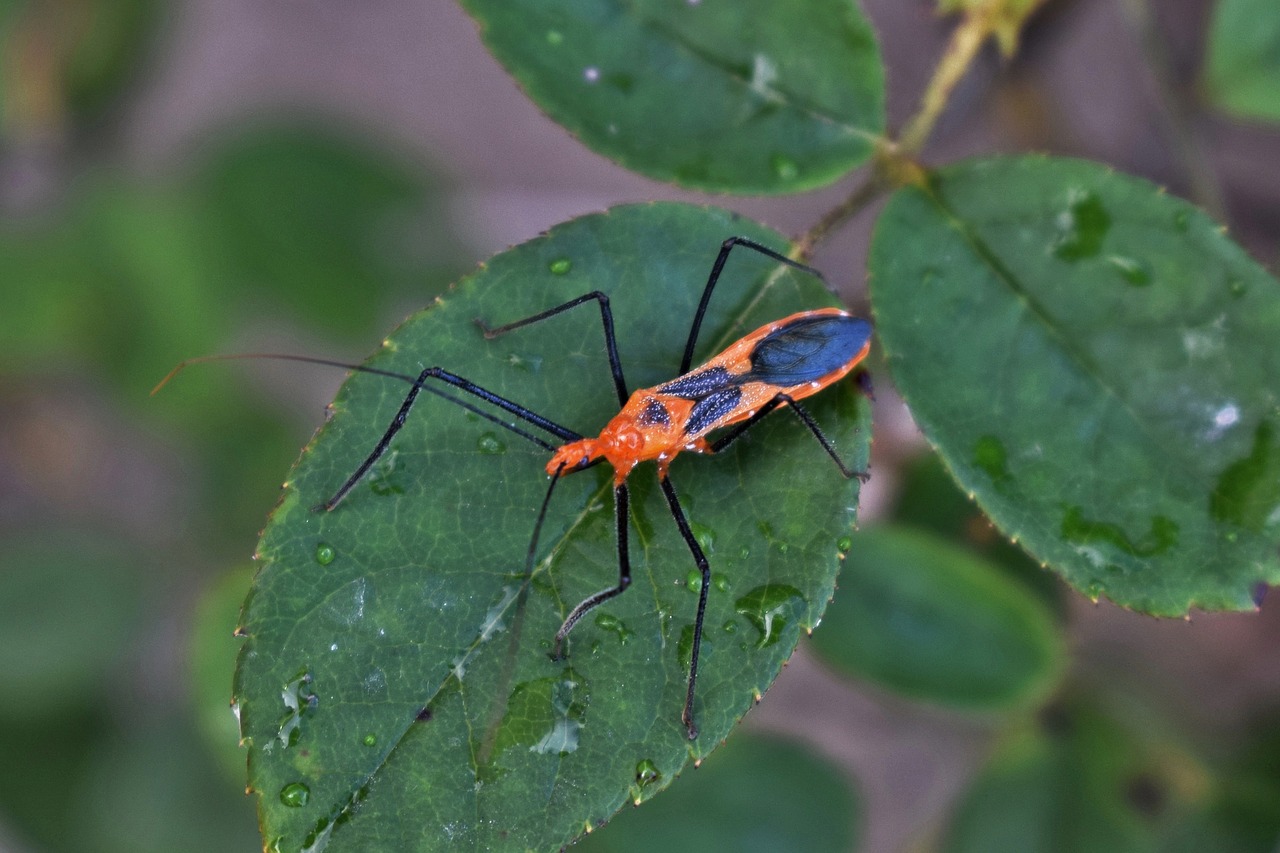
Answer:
(1095, 361)
(397, 665)
(754, 97)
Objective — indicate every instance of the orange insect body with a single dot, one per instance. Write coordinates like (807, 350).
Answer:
(797, 356)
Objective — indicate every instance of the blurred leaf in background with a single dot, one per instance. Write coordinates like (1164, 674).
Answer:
(1086, 779)
(65, 63)
(103, 293)
(1242, 69)
(920, 617)
(757, 794)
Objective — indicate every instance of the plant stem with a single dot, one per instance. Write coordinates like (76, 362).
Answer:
(866, 192)
(893, 164)
(964, 45)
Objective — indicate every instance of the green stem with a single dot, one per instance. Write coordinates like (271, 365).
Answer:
(894, 165)
(866, 192)
(965, 42)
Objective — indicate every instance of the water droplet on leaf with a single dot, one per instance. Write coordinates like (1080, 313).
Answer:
(1081, 227)
(705, 536)
(295, 795)
(646, 772)
(769, 608)
(325, 554)
(1133, 271)
(614, 625)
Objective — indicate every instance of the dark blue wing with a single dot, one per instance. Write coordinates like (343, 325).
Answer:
(807, 349)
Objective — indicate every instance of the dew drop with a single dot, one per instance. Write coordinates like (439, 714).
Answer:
(614, 625)
(370, 740)
(491, 444)
(705, 536)
(721, 582)
(1237, 288)
(694, 580)
(1133, 271)
(769, 608)
(844, 544)
(295, 795)
(298, 699)
(730, 626)
(647, 772)
(990, 455)
(325, 554)
(1081, 227)
(784, 167)
(1093, 537)
(560, 266)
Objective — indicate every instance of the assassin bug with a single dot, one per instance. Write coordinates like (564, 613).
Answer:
(773, 367)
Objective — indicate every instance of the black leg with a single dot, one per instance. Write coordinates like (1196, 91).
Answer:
(610, 337)
(705, 568)
(805, 418)
(727, 246)
(458, 382)
(621, 501)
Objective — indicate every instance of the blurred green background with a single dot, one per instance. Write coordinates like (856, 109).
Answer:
(224, 175)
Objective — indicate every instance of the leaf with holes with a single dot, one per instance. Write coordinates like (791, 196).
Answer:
(396, 688)
(1096, 363)
(747, 97)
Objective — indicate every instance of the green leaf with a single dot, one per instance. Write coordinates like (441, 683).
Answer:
(211, 663)
(1085, 784)
(756, 794)
(323, 222)
(409, 596)
(67, 610)
(1086, 781)
(745, 97)
(1239, 811)
(929, 499)
(1242, 69)
(1096, 363)
(925, 619)
(151, 789)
